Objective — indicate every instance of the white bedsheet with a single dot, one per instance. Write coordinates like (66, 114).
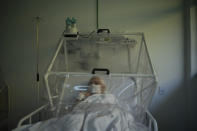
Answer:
(99, 112)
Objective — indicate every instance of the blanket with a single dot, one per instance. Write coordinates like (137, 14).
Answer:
(99, 112)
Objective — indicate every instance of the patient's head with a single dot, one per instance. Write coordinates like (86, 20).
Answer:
(97, 85)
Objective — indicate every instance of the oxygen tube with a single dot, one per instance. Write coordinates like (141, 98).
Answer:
(37, 20)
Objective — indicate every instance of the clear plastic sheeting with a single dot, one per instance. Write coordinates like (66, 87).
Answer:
(119, 53)
(131, 79)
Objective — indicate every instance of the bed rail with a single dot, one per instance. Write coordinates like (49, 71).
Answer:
(152, 123)
(29, 116)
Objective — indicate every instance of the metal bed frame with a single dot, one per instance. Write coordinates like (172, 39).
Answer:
(151, 121)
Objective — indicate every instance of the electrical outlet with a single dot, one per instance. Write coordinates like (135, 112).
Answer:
(161, 91)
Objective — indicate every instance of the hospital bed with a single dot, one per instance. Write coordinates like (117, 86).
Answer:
(121, 60)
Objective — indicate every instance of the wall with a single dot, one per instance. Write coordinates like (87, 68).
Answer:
(193, 40)
(161, 21)
(193, 106)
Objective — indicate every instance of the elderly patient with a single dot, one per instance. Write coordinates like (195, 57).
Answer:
(96, 86)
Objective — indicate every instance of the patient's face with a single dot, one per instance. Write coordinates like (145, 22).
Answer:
(97, 85)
